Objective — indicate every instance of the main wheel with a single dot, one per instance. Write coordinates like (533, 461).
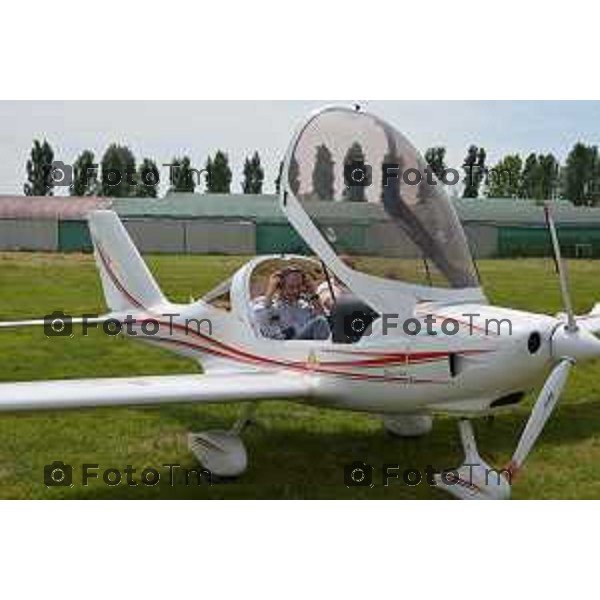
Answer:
(221, 452)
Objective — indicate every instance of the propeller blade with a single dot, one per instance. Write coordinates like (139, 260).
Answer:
(544, 405)
(561, 268)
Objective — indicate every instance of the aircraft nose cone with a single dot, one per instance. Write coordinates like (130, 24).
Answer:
(579, 344)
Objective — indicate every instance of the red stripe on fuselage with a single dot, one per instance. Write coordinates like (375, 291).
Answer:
(233, 353)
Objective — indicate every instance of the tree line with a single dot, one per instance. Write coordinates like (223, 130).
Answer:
(119, 176)
(536, 177)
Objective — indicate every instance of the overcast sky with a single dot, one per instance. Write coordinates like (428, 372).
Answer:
(163, 129)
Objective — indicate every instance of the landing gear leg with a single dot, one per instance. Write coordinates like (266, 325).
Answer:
(476, 479)
(222, 452)
(245, 419)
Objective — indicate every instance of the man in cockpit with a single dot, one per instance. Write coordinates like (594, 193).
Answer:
(290, 308)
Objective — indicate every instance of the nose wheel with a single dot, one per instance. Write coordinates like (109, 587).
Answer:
(408, 426)
(475, 479)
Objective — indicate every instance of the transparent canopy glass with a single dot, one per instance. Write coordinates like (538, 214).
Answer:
(366, 189)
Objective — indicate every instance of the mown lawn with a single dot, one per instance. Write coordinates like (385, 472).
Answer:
(295, 451)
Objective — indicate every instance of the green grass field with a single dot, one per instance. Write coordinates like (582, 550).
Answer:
(295, 451)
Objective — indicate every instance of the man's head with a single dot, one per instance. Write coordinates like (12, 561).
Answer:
(292, 284)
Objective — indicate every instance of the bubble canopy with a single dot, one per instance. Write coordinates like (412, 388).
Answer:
(371, 196)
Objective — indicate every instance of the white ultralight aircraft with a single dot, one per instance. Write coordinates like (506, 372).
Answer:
(387, 354)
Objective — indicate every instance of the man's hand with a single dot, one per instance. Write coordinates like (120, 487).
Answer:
(273, 285)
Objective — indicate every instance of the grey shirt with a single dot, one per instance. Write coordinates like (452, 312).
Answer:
(275, 318)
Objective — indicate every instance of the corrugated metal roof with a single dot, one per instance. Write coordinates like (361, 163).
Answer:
(504, 211)
(259, 207)
(264, 208)
(50, 207)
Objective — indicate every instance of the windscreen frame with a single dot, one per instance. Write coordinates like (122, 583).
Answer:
(379, 291)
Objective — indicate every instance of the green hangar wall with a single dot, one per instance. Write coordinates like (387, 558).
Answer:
(254, 224)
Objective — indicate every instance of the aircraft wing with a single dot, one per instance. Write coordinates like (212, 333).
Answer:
(42, 322)
(132, 391)
(15, 324)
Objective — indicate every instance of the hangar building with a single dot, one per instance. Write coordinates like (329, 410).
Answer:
(253, 224)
